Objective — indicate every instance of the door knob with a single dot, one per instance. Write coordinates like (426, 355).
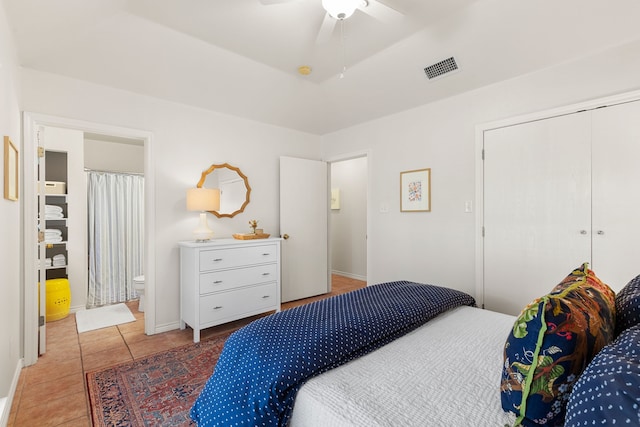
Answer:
(285, 236)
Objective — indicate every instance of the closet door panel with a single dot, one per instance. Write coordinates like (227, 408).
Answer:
(537, 211)
(616, 193)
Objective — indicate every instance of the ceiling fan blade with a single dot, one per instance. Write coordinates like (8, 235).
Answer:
(381, 11)
(326, 29)
(269, 2)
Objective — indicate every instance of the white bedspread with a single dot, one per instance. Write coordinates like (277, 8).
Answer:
(446, 373)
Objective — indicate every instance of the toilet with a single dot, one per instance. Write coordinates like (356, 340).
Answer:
(138, 284)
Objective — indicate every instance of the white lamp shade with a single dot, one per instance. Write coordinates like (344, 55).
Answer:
(341, 9)
(203, 199)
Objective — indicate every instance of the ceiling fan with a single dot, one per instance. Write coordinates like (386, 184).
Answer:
(339, 10)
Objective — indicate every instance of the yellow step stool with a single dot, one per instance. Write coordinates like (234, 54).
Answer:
(58, 299)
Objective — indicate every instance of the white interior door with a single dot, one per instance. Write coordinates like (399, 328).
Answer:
(616, 198)
(537, 211)
(304, 203)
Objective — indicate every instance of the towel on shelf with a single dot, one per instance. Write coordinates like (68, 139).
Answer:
(47, 262)
(53, 212)
(59, 260)
(52, 209)
(52, 235)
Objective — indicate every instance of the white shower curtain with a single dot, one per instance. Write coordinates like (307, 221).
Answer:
(116, 236)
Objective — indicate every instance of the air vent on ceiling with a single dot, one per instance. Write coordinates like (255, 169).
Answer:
(441, 68)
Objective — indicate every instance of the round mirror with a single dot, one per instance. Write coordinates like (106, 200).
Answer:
(233, 185)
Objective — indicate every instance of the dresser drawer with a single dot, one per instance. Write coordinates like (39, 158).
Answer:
(236, 257)
(217, 307)
(228, 279)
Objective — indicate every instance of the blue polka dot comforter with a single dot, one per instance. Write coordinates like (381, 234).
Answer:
(264, 364)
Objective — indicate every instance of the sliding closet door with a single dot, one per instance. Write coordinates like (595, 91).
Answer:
(616, 193)
(537, 210)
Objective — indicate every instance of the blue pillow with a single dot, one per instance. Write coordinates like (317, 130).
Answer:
(628, 306)
(551, 343)
(608, 391)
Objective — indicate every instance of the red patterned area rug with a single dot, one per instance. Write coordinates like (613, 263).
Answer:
(158, 390)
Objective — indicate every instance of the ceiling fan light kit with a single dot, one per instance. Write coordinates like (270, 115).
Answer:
(337, 11)
(342, 9)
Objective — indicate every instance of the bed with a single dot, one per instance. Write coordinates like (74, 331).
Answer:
(407, 358)
(443, 374)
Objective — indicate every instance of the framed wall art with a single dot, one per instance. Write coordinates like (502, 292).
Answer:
(10, 170)
(415, 191)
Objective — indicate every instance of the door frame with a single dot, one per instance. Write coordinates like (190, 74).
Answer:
(340, 158)
(479, 156)
(31, 122)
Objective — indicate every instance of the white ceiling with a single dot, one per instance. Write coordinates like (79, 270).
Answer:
(240, 57)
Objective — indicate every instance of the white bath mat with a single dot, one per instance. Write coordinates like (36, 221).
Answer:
(103, 317)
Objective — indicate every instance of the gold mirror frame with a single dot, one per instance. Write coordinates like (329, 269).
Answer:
(203, 178)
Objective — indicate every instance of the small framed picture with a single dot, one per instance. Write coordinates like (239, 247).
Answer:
(10, 170)
(415, 191)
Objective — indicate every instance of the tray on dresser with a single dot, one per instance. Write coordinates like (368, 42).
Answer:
(250, 236)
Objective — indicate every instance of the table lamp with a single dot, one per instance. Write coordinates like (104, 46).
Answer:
(203, 200)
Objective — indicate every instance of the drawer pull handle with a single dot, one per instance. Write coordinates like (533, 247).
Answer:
(266, 254)
(215, 282)
(266, 296)
(217, 259)
(217, 307)
(266, 274)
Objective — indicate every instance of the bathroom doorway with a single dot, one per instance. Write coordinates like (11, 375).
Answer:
(114, 170)
(34, 125)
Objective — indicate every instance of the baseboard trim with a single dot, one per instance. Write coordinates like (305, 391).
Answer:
(349, 275)
(167, 327)
(6, 402)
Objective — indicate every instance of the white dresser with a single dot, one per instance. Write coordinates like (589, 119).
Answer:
(226, 279)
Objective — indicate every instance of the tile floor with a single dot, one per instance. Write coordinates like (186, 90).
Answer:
(53, 391)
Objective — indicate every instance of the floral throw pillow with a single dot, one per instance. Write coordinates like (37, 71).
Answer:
(551, 343)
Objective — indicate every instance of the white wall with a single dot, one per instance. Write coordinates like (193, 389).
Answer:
(10, 250)
(439, 246)
(349, 223)
(434, 247)
(113, 156)
(186, 141)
